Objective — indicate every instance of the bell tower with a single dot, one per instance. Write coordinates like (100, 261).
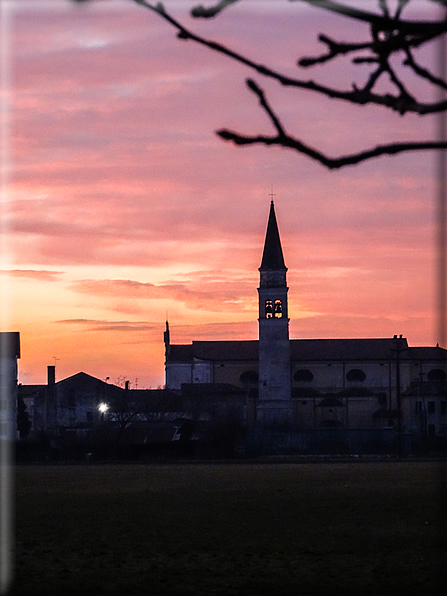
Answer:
(274, 405)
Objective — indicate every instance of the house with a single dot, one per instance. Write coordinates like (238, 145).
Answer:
(72, 403)
(83, 413)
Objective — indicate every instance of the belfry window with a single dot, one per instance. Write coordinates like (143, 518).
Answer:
(278, 309)
(268, 309)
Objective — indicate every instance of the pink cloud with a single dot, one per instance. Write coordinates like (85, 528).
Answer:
(180, 333)
(40, 274)
(220, 295)
(105, 325)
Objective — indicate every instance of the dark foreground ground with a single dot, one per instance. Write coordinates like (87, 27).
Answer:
(230, 529)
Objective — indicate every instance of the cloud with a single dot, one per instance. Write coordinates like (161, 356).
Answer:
(204, 292)
(36, 274)
(181, 331)
(107, 325)
(243, 330)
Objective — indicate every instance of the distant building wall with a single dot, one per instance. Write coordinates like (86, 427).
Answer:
(332, 376)
(178, 373)
(232, 372)
(9, 354)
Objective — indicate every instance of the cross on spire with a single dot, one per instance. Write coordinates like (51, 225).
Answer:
(272, 194)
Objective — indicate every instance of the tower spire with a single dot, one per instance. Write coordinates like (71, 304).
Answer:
(167, 340)
(272, 257)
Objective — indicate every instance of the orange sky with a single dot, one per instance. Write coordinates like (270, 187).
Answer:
(123, 205)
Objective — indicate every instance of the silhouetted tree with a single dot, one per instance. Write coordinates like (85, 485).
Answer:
(390, 36)
(124, 407)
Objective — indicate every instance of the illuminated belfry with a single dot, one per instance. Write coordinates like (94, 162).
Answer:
(274, 405)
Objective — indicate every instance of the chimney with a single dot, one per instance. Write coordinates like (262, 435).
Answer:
(51, 375)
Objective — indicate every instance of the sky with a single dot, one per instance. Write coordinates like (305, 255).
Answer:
(121, 207)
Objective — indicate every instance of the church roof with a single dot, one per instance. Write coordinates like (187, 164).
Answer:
(272, 258)
(225, 350)
(301, 350)
(180, 353)
(428, 353)
(214, 350)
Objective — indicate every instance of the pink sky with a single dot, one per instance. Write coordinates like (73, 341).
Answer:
(123, 205)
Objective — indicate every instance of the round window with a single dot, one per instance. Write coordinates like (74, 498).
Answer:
(249, 377)
(436, 374)
(302, 374)
(355, 374)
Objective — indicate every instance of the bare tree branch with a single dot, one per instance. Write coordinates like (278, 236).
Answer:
(423, 72)
(384, 8)
(400, 6)
(282, 139)
(206, 13)
(263, 102)
(389, 36)
(331, 163)
(400, 104)
(335, 49)
(380, 22)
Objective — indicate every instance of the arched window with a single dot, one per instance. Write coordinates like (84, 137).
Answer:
(355, 374)
(278, 309)
(268, 309)
(436, 374)
(302, 374)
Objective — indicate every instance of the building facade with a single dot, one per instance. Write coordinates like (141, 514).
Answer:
(83, 411)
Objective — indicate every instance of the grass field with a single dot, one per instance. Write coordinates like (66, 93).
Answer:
(228, 529)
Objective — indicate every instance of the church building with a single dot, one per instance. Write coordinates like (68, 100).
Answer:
(310, 384)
